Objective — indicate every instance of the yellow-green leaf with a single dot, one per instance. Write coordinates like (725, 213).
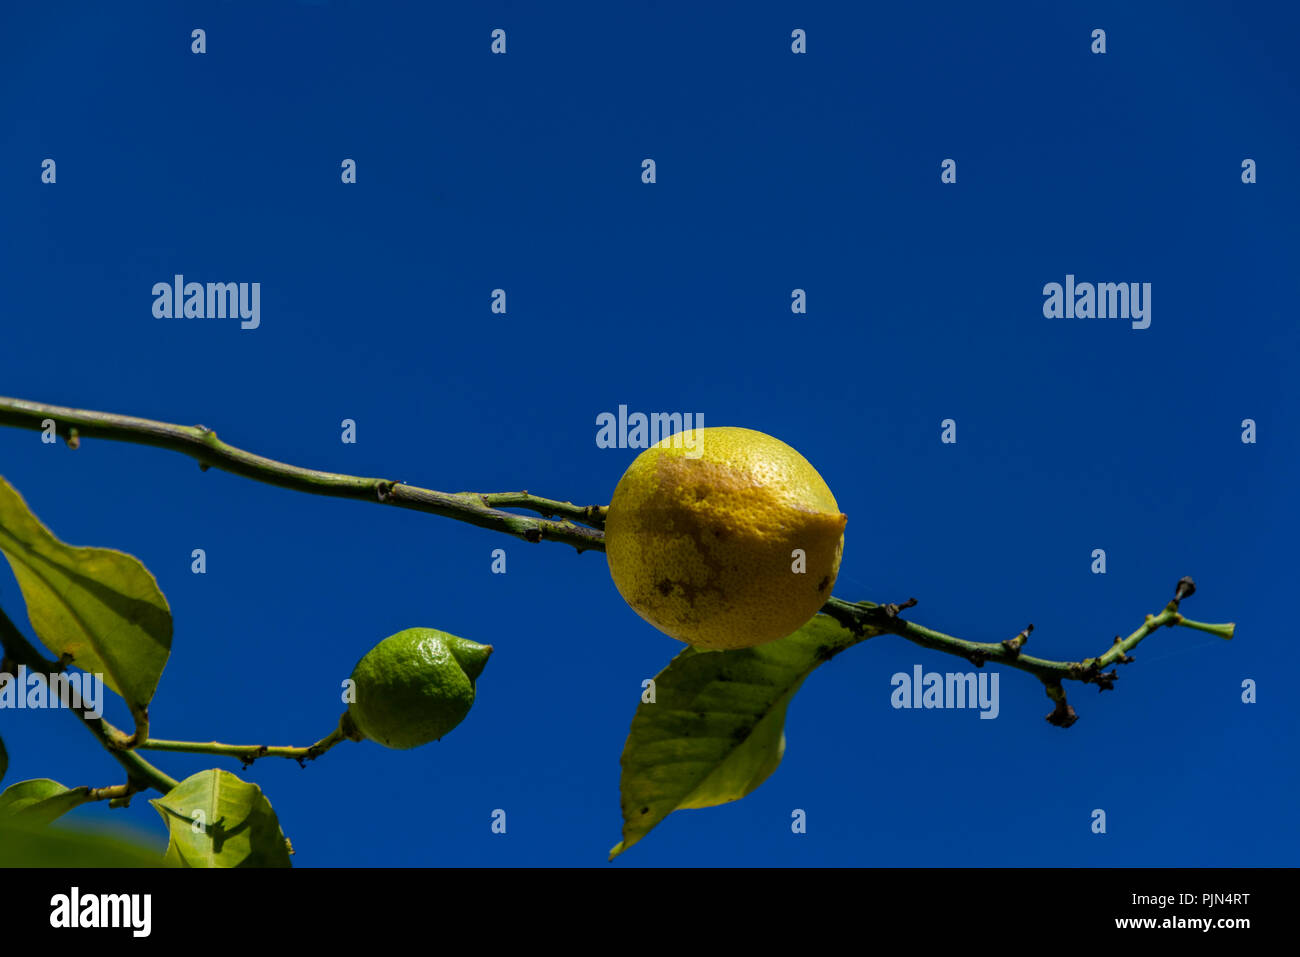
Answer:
(100, 606)
(217, 820)
(40, 800)
(716, 729)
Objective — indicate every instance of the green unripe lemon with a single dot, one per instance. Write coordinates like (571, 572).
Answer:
(415, 686)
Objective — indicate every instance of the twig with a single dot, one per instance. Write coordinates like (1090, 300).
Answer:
(868, 619)
(201, 443)
(248, 753)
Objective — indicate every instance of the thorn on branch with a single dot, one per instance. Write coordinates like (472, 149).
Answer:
(891, 610)
(1013, 645)
(865, 614)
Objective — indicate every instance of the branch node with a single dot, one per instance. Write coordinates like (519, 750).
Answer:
(1062, 715)
(891, 609)
(1105, 681)
(1013, 645)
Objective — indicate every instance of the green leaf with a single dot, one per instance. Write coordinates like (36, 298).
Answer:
(40, 800)
(99, 606)
(217, 820)
(25, 843)
(717, 728)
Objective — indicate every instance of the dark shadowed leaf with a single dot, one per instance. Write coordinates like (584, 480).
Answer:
(217, 820)
(716, 729)
(100, 606)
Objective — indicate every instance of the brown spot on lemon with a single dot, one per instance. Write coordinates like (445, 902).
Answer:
(700, 543)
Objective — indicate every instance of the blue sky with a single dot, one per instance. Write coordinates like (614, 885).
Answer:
(775, 171)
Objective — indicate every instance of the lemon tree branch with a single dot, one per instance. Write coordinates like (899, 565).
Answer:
(248, 753)
(868, 619)
(19, 651)
(136, 767)
(201, 443)
(140, 773)
(575, 525)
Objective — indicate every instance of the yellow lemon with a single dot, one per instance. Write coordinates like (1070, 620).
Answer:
(723, 538)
